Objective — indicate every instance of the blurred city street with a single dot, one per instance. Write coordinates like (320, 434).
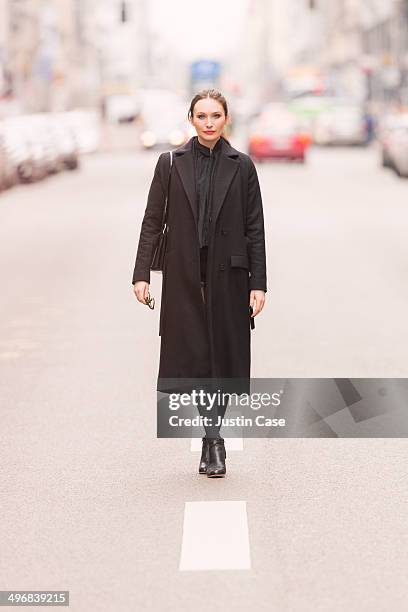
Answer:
(93, 502)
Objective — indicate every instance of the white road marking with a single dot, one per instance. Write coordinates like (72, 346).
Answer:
(215, 536)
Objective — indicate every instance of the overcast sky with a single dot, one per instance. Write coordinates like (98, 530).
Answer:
(199, 29)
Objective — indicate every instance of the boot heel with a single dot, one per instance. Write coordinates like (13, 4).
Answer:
(202, 468)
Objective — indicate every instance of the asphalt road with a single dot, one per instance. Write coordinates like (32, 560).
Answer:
(93, 503)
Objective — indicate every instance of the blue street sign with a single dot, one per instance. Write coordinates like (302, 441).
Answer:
(205, 70)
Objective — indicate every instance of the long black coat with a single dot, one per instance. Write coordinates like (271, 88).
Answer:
(210, 339)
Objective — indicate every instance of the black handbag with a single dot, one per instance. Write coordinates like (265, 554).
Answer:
(160, 248)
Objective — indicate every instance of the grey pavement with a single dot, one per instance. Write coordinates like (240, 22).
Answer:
(93, 503)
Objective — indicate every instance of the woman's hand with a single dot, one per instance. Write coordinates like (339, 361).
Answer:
(141, 291)
(257, 301)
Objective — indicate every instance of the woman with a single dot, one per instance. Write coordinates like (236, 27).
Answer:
(214, 277)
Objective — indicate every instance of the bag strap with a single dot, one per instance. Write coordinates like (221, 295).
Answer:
(167, 194)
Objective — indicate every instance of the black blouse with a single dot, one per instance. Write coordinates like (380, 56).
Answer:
(205, 164)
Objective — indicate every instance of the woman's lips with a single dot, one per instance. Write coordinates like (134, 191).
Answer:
(209, 132)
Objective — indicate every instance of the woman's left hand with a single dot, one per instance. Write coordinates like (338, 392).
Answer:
(257, 301)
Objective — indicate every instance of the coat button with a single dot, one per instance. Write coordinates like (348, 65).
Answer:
(223, 232)
(222, 266)
(210, 219)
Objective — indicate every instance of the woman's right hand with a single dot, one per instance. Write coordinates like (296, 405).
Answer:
(141, 290)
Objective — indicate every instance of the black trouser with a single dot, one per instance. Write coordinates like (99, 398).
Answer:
(218, 410)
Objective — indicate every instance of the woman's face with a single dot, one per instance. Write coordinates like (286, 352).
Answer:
(209, 120)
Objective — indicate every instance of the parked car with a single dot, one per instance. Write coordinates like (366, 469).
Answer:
(278, 134)
(122, 108)
(65, 141)
(18, 150)
(85, 124)
(398, 150)
(3, 158)
(38, 137)
(388, 124)
(34, 146)
(8, 171)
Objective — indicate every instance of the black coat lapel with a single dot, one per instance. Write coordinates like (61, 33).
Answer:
(227, 167)
(184, 162)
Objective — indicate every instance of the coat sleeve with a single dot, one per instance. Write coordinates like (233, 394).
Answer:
(151, 224)
(255, 231)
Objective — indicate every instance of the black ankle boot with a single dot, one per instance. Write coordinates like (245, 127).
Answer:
(217, 454)
(202, 469)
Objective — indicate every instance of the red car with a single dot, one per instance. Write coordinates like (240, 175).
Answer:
(277, 134)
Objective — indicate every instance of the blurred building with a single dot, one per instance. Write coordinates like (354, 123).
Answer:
(249, 68)
(115, 43)
(366, 47)
(353, 48)
(342, 46)
(385, 50)
(296, 34)
(62, 54)
(280, 48)
(297, 39)
(43, 53)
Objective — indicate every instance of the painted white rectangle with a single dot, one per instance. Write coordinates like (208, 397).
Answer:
(231, 444)
(215, 536)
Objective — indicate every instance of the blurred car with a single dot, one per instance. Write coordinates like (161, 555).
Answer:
(3, 160)
(397, 148)
(163, 119)
(34, 146)
(51, 142)
(278, 134)
(310, 106)
(121, 108)
(85, 124)
(344, 123)
(18, 150)
(389, 123)
(36, 129)
(65, 141)
(163, 132)
(8, 171)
